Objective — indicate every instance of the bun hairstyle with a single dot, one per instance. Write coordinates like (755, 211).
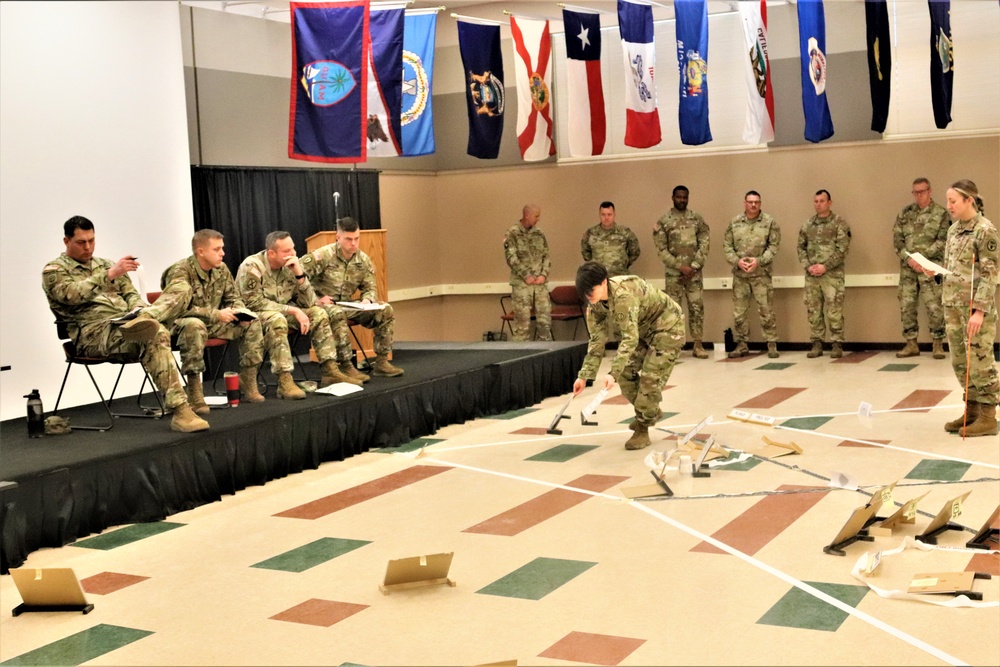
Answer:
(968, 189)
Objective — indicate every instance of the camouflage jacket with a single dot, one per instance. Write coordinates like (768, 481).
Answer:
(681, 240)
(971, 254)
(332, 275)
(210, 291)
(636, 311)
(82, 293)
(615, 249)
(758, 238)
(824, 241)
(527, 253)
(923, 231)
(263, 289)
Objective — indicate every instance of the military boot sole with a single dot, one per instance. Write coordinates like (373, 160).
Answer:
(140, 330)
(292, 396)
(637, 442)
(387, 374)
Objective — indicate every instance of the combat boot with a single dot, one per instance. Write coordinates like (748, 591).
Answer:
(640, 437)
(141, 329)
(985, 424)
(382, 368)
(967, 417)
(248, 383)
(332, 375)
(186, 421)
(938, 351)
(911, 349)
(196, 395)
(698, 351)
(348, 369)
(837, 352)
(287, 387)
(816, 351)
(772, 351)
(741, 350)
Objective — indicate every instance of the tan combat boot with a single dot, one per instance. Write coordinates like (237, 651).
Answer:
(816, 351)
(196, 395)
(186, 421)
(911, 349)
(741, 350)
(698, 351)
(382, 368)
(287, 387)
(639, 439)
(772, 351)
(332, 375)
(348, 369)
(985, 424)
(141, 329)
(837, 351)
(938, 351)
(967, 417)
(248, 383)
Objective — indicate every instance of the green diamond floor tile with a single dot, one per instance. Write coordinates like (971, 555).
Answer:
(741, 466)
(126, 535)
(666, 415)
(798, 609)
(81, 647)
(898, 368)
(310, 555)
(537, 579)
(514, 414)
(561, 453)
(806, 423)
(411, 446)
(937, 469)
(774, 366)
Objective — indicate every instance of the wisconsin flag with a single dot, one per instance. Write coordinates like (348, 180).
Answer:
(642, 120)
(533, 75)
(584, 89)
(327, 117)
(759, 128)
(942, 61)
(812, 48)
(385, 82)
(484, 91)
(417, 117)
(692, 60)
(879, 60)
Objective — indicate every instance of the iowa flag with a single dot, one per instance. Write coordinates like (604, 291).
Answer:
(585, 111)
(642, 120)
(533, 75)
(759, 128)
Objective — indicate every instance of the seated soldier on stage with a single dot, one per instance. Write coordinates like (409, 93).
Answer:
(89, 292)
(272, 283)
(209, 308)
(337, 271)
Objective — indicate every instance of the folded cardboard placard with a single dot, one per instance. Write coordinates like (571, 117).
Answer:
(942, 582)
(49, 589)
(850, 533)
(989, 532)
(907, 513)
(417, 571)
(942, 520)
(773, 449)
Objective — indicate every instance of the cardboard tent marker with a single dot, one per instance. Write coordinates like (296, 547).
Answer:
(988, 532)
(905, 514)
(49, 589)
(552, 430)
(954, 583)
(943, 521)
(773, 449)
(592, 408)
(417, 572)
(854, 529)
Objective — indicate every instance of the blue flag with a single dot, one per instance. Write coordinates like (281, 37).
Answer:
(692, 60)
(942, 61)
(328, 102)
(418, 68)
(812, 48)
(385, 82)
(484, 91)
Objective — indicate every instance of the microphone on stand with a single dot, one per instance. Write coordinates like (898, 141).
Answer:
(336, 206)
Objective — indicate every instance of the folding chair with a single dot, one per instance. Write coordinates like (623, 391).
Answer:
(350, 327)
(508, 316)
(566, 306)
(211, 342)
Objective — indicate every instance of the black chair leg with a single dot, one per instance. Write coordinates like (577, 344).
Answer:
(104, 404)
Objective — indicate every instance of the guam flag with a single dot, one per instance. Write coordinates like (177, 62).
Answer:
(385, 82)
(812, 49)
(418, 67)
(642, 120)
(484, 91)
(584, 89)
(692, 60)
(879, 60)
(942, 61)
(328, 109)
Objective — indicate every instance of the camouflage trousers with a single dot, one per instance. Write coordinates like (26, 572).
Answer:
(192, 333)
(983, 382)
(648, 370)
(523, 297)
(914, 288)
(678, 287)
(276, 327)
(761, 290)
(381, 322)
(338, 329)
(824, 297)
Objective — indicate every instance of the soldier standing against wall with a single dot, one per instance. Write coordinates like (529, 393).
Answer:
(681, 238)
(612, 245)
(822, 247)
(527, 254)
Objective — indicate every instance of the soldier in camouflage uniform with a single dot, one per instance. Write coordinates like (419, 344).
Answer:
(527, 254)
(208, 310)
(823, 243)
(274, 286)
(651, 326)
(337, 271)
(972, 254)
(921, 227)
(612, 245)
(87, 292)
(751, 242)
(682, 240)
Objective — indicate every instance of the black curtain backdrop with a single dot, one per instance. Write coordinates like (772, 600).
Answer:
(245, 204)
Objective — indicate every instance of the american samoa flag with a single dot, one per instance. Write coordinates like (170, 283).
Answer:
(533, 76)
(587, 123)
(642, 120)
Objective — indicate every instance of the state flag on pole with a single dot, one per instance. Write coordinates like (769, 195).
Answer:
(879, 60)
(417, 117)
(587, 125)
(642, 120)
(328, 106)
(533, 75)
(812, 48)
(692, 61)
(385, 82)
(484, 90)
(942, 61)
(759, 128)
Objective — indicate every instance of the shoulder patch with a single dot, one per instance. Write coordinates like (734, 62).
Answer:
(50, 267)
(991, 245)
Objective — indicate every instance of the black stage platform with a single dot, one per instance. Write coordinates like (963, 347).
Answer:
(73, 485)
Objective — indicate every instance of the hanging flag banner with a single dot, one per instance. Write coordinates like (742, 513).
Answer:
(942, 61)
(879, 60)
(585, 109)
(759, 128)
(417, 116)
(385, 82)
(812, 49)
(692, 60)
(484, 91)
(642, 120)
(533, 75)
(327, 118)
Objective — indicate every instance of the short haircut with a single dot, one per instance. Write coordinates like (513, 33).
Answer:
(75, 223)
(528, 208)
(273, 238)
(679, 188)
(589, 276)
(202, 237)
(348, 225)
(824, 192)
(752, 192)
(607, 204)
(918, 181)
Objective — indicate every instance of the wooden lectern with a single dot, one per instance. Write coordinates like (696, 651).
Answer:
(373, 245)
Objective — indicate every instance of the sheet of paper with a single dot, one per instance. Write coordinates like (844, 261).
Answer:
(339, 389)
(592, 406)
(928, 264)
(357, 305)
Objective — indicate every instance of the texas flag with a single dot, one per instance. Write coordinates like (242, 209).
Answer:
(533, 75)
(585, 111)
(642, 121)
(759, 128)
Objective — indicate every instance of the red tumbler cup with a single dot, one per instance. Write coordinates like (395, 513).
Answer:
(232, 388)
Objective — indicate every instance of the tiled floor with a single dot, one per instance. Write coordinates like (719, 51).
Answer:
(552, 564)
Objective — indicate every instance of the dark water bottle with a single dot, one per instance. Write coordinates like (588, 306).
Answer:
(36, 415)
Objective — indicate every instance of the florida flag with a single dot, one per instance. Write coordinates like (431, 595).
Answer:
(642, 121)
(585, 112)
(759, 128)
(533, 48)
